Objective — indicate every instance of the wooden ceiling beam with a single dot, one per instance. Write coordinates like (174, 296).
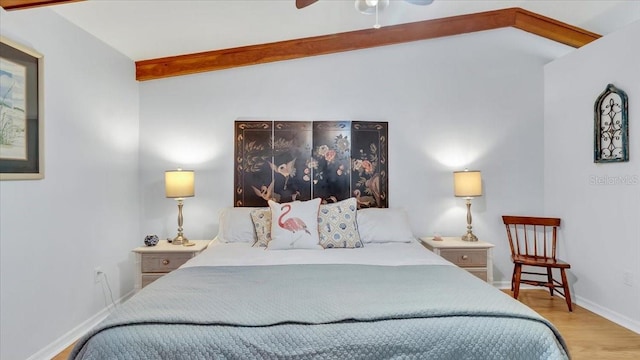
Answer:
(363, 39)
(26, 4)
(552, 29)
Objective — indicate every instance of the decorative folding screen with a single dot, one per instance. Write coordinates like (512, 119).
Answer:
(300, 160)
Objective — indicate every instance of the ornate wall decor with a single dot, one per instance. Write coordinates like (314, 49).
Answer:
(611, 126)
(300, 160)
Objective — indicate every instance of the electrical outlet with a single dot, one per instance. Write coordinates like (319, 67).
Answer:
(628, 278)
(97, 274)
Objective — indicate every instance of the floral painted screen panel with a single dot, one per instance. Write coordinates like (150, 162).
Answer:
(331, 160)
(299, 160)
(369, 164)
(611, 127)
(291, 156)
(253, 180)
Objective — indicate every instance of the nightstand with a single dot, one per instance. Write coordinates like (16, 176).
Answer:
(153, 262)
(474, 256)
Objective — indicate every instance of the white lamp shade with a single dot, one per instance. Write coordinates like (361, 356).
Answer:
(179, 183)
(467, 183)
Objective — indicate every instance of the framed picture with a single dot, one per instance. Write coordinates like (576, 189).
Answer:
(21, 112)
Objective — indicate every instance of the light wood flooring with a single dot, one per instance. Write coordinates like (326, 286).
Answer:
(589, 336)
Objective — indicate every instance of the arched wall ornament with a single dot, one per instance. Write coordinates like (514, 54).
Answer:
(611, 126)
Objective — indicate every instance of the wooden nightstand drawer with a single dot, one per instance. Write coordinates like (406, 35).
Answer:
(149, 278)
(473, 256)
(155, 261)
(465, 257)
(481, 273)
(163, 262)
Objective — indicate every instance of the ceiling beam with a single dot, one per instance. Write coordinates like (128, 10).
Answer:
(552, 29)
(25, 4)
(363, 39)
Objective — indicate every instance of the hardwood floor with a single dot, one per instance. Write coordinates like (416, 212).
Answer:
(64, 355)
(588, 335)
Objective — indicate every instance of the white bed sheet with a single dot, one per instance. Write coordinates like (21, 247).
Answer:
(385, 254)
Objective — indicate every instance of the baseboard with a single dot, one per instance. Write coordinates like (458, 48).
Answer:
(609, 314)
(589, 305)
(76, 333)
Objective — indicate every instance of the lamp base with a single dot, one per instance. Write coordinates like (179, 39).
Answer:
(469, 237)
(182, 240)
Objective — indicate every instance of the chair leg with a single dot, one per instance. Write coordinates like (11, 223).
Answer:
(565, 286)
(550, 281)
(517, 272)
(513, 278)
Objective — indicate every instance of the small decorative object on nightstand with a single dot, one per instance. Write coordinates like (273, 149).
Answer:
(151, 240)
(473, 256)
(157, 261)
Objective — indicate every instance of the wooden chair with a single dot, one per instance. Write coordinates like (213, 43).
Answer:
(533, 243)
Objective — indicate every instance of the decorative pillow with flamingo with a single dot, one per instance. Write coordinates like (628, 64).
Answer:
(337, 226)
(294, 225)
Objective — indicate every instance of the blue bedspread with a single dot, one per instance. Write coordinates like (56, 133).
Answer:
(322, 312)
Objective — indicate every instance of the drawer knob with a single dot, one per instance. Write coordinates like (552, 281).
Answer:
(465, 257)
(165, 261)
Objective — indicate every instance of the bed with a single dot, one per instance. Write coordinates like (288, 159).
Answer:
(388, 298)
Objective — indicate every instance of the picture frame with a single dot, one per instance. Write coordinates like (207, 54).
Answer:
(611, 126)
(21, 112)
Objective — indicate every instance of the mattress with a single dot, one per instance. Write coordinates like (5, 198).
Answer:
(385, 254)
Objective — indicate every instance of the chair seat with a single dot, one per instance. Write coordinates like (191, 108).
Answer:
(539, 261)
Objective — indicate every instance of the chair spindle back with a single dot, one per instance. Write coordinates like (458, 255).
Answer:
(532, 236)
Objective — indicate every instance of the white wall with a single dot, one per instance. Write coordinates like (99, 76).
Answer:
(467, 101)
(84, 213)
(599, 203)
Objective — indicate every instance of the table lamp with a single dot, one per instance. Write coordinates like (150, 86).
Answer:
(179, 184)
(467, 184)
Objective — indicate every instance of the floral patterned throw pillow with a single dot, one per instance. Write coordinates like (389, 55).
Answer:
(337, 226)
(294, 225)
(262, 225)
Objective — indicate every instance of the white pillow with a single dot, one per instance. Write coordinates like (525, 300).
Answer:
(294, 225)
(236, 225)
(378, 225)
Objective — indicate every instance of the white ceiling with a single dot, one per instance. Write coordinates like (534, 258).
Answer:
(147, 29)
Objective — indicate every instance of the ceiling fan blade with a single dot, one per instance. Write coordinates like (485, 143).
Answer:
(26, 4)
(304, 3)
(419, 2)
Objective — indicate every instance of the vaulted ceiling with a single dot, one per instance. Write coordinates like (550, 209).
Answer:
(362, 39)
(227, 33)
